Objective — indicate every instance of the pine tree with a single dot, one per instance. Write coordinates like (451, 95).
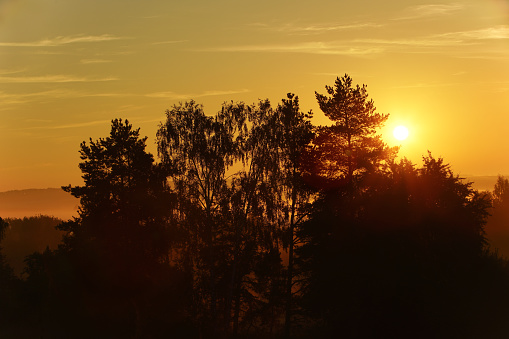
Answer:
(350, 147)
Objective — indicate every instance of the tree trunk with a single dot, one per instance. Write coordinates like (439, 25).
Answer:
(289, 282)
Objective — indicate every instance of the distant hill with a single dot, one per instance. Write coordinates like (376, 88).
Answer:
(31, 202)
(57, 203)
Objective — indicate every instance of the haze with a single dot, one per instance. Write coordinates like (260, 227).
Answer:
(67, 68)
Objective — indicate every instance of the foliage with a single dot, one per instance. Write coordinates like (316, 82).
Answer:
(294, 133)
(10, 294)
(350, 147)
(501, 191)
(497, 228)
(258, 224)
(224, 170)
(119, 245)
(28, 235)
(408, 246)
(196, 151)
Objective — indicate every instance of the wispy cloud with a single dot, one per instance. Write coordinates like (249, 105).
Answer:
(69, 125)
(180, 96)
(8, 99)
(451, 39)
(500, 86)
(489, 33)
(80, 124)
(11, 71)
(316, 28)
(429, 10)
(427, 85)
(62, 40)
(22, 98)
(168, 42)
(417, 42)
(52, 79)
(94, 61)
(450, 43)
(318, 47)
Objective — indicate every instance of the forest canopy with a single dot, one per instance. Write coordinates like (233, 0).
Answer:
(254, 222)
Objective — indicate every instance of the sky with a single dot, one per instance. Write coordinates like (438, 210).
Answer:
(68, 67)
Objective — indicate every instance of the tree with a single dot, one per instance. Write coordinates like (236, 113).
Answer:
(294, 133)
(408, 246)
(196, 151)
(350, 147)
(498, 223)
(10, 296)
(28, 235)
(252, 204)
(236, 176)
(501, 191)
(269, 200)
(120, 240)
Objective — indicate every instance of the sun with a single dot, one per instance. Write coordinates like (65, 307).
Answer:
(400, 132)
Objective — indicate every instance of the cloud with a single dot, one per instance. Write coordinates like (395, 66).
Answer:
(7, 99)
(69, 125)
(22, 98)
(436, 43)
(317, 28)
(317, 47)
(489, 33)
(417, 42)
(430, 10)
(52, 79)
(62, 40)
(94, 61)
(427, 85)
(79, 124)
(177, 96)
(168, 42)
(11, 71)
(451, 39)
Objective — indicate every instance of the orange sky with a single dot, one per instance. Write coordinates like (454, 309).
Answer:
(68, 67)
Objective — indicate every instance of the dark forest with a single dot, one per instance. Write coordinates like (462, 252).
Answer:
(255, 223)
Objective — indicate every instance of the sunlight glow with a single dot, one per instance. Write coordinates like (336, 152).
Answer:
(400, 132)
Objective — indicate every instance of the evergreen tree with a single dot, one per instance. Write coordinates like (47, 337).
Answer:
(408, 246)
(10, 297)
(120, 241)
(350, 147)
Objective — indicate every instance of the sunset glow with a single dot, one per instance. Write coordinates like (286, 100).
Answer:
(254, 169)
(81, 64)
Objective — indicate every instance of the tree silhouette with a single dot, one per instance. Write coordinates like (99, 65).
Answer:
(405, 252)
(498, 223)
(196, 246)
(501, 191)
(197, 151)
(253, 204)
(294, 133)
(120, 240)
(237, 178)
(10, 297)
(28, 235)
(350, 147)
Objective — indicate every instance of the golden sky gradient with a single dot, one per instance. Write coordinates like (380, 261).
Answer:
(67, 67)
